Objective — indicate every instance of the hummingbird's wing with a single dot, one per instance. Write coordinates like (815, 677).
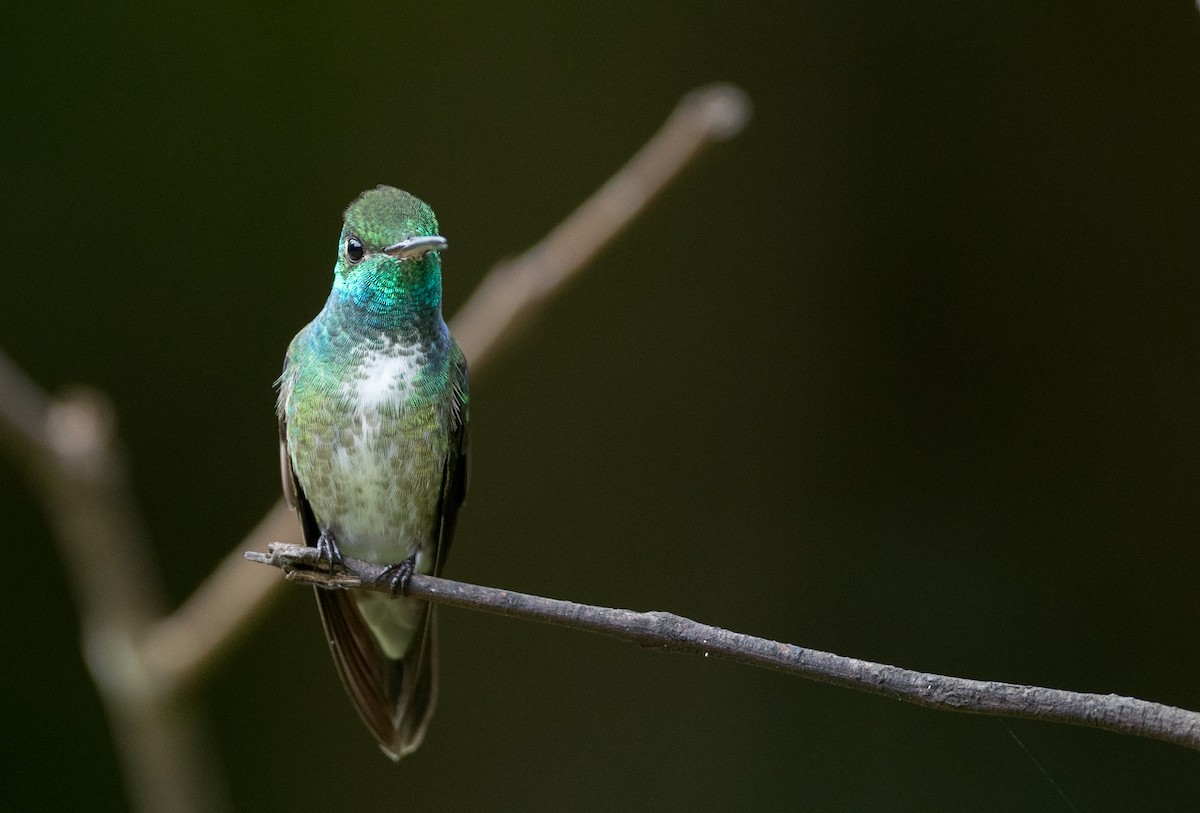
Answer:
(454, 471)
(292, 493)
(394, 698)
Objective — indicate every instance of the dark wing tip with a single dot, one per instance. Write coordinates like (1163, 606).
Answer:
(394, 698)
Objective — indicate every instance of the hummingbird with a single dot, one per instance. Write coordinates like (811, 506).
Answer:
(373, 412)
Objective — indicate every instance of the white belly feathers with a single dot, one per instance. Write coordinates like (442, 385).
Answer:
(387, 481)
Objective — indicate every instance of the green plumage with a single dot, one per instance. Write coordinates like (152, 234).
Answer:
(373, 410)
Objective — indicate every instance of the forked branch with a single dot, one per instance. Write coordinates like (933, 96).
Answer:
(143, 662)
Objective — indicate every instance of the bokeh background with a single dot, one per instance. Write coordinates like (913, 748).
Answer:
(907, 372)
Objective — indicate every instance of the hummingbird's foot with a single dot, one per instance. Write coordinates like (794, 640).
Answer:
(399, 575)
(327, 549)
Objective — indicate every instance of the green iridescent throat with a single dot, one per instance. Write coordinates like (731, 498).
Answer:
(389, 294)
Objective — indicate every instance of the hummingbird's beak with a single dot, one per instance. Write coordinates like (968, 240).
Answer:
(416, 246)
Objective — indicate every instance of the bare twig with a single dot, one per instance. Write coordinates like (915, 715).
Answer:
(512, 291)
(673, 633)
(182, 646)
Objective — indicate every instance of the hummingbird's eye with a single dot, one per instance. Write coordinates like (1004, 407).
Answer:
(354, 249)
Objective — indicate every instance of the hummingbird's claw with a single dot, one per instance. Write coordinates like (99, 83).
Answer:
(399, 575)
(327, 549)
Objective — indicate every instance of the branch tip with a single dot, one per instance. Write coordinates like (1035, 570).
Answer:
(725, 109)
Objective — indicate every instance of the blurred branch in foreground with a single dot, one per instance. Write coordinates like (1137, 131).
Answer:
(77, 467)
(143, 662)
(673, 633)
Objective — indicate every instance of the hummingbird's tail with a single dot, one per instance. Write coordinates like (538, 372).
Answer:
(394, 697)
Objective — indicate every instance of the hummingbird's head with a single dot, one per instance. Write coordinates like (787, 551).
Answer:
(388, 253)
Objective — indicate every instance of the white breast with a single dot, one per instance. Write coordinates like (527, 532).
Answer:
(382, 377)
(380, 482)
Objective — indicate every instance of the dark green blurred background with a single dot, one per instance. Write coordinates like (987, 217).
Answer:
(908, 372)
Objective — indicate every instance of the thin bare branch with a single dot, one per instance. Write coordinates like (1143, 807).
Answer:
(23, 408)
(673, 633)
(183, 646)
(510, 293)
(514, 289)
